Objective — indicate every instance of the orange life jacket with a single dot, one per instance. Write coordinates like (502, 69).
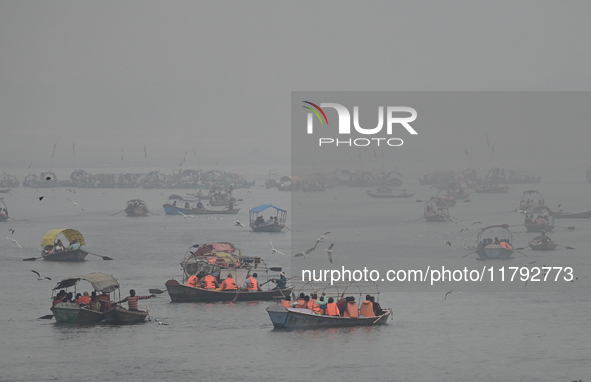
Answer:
(351, 310)
(229, 284)
(301, 303)
(366, 309)
(84, 300)
(253, 284)
(286, 303)
(332, 309)
(209, 282)
(313, 306)
(192, 282)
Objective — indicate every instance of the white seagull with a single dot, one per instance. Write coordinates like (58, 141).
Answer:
(321, 239)
(361, 232)
(184, 216)
(449, 293)
(76, 204)
(305, 254)
(275, 250)
(39, 276)
(238, 224)
(329, 252)
(14, 241)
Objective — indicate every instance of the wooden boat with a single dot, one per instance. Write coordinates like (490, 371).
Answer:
(532, 201)
(221, 197)
(294, 318)
(4, 190)
(539, 227)
(75, 314)
(539, 246)
(174, 210)
(258, 223)
(568, 215)
(492, 189)
(487, 250)
(436, 210)
(3, 211)
(378, 195)
(184, 293)
(120, 315)
(67, 254)
(136, 207)
(457, 191)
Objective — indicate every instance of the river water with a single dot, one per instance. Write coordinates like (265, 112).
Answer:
(497, 331)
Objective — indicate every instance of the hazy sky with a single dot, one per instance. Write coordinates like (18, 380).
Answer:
(216, 76)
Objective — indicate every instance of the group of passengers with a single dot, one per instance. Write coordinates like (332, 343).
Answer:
(58, 246)
(504, 243)
(208, 281)
(343, 307)
(540, 219)
(98, 303)
(260, 221)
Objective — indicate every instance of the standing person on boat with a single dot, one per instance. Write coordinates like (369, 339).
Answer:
(210, 282)
(251, 283)
(228, 283)
(132, 299)
(281, 282)
(366, 308)
(542, 238)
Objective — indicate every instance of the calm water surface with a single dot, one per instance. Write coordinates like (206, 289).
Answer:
(501, 332)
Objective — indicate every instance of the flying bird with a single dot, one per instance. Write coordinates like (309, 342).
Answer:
(476, 223)
(48, 178)
(76, 204)
(238, 224)
(11, 231)
(184, 216)
(449, 293)
(14, 241)
(359, 232)
(448, 243)
(41, 197)
(305, 254)
(274, 250)
(329, 252)
(39, 276)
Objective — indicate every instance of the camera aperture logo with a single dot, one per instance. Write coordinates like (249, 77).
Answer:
(394, 115)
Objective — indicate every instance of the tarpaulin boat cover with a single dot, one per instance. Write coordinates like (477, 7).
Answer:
(100, 282)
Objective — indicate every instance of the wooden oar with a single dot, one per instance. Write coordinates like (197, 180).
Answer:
(564, 246)
(288, 228)
(521, 249)
(522, 253)
(469, 254)
(418, 219)
(118, 212)
(570, 228)
(46, 317)
(104, 257)
(157, 291)
(15, 221)
(32, 258)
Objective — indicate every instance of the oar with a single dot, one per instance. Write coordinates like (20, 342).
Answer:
(564, 246)
(274, 269)
(571, 228)
(15, 221)
(46, 317)
(148, 310)
(157, 291)
(288, 228)
(418, 219)
(521, 249)
(522, 253)
(469, 254)
(104, 257)
(264, 283)
(118, 213)
(32, 258)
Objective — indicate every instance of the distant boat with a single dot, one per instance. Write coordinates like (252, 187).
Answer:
(3, 211)
(488, 249)
(295, 318)
(259, 224)
(379, 195)
(436, 210)
(568, 215)
(4, 190)
(136, 207)
(71, 235)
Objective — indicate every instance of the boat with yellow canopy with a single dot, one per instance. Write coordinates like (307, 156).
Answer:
(54, 250)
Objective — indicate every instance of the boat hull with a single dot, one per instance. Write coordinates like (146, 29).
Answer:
(184, 293)
(174, 210)
(70, 255)
(374, 195)
(283, 318)
(119, 315)
(73, 314)
(543, 247)
(581, 215)
(268, 228)
(437, 218)
(137, 211)
(494, 252)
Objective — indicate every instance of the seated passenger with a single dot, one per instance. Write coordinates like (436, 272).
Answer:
(58, 246)
(210, 282)
(313, 306)
(193, 281)
(377, 309)
(200, 206)
(74, 245)
(251, 283)
(95, 303)
(331, 308)
(59, 297)
(228, 283)
(300, 303)
(286, 302)
(366, 308)
(84, 299)
(351, 309)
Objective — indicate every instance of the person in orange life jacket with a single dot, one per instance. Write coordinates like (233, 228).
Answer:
(251, 284)
(313, 306)
(377, 309)
(132, 299)
(286, 302)
(84, 299)
(300, 303)
(366, 308)
(331, 308)
(351, 310)
(193, 281)
(209, 282)
(228, 284)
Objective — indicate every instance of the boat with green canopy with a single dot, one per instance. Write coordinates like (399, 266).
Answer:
(56, 251)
